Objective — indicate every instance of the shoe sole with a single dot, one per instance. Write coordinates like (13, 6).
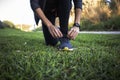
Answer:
(66, 49)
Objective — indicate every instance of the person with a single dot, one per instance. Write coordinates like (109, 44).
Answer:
(47, 11)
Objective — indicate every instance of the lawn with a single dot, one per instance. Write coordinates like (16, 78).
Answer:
(24, 56)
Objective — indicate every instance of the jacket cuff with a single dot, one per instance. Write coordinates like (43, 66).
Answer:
(34, 5)
(78, 5)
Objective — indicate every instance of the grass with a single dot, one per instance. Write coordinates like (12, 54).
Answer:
(23, 56)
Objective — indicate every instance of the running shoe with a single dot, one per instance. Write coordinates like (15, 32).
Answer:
(65, 44)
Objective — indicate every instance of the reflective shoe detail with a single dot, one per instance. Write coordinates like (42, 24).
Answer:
(66, 49)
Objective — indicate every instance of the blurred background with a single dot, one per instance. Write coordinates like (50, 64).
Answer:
(97, 15)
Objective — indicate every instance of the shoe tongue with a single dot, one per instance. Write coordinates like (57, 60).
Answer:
(64, 40)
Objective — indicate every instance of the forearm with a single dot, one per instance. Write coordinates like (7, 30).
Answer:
(72, 34)
(55, 32)
(43, 17)
(78, 12)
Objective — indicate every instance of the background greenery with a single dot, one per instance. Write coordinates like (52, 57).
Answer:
(98, 16)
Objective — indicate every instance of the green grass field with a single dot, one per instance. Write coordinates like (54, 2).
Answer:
(24, 56)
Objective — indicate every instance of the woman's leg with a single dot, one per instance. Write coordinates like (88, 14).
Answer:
(49, 40)
(64, 7)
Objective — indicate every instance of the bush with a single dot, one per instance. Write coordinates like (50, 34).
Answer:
(112, 24)
(1, 25)
(38, 29)
(8, 24)
(86, 24)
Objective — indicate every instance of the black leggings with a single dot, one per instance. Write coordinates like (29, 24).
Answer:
(63, 8)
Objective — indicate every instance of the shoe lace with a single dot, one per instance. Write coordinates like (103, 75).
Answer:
(64, 39)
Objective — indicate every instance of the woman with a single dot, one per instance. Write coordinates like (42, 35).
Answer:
(47, 10)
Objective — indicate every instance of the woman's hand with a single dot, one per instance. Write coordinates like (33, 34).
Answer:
(72, 34)
(55, 32)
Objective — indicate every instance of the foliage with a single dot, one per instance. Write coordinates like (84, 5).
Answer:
(1, 25)
(101, 16)
(8, 24)
(38, 29)
(23, 56)
(115, 7)
(112, 24)
(96, 13)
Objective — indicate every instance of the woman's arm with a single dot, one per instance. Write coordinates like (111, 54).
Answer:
(37, 9)
(72, 34)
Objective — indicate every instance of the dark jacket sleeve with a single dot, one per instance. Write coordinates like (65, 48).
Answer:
(78, 3)
(34, 4)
